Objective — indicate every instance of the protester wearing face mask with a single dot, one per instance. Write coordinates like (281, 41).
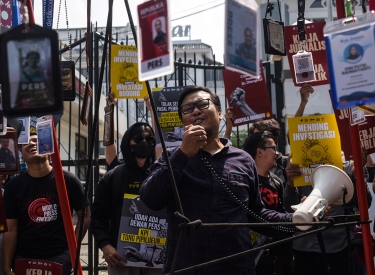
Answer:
(138, 150)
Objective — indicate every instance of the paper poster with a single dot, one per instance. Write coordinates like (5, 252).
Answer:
(143, 234)
(248, 96)
(124, 73)
(242, 36)
(351, 66)
(154, 40)
(366, 132)
(37, 267)
(315, 44)
(314, 140)
(166, 102)
(30, 73)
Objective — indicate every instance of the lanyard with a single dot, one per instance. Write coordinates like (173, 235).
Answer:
(301, 21)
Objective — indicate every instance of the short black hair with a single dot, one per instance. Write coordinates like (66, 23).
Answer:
(255, 141)
(34, 54)
(191, 89)
(270, 125)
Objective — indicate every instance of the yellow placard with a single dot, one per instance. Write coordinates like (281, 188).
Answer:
(314, 140)
(124, 73)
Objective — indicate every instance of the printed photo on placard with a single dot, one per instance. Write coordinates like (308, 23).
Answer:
(25, 130)
(9, 152)
(68, 80)
(30, 73)
(124, 73)
(166, 101)
(242, 37)
(351, 66)
(142, 235)
(45, 138)
(155, 51)
(248, 96)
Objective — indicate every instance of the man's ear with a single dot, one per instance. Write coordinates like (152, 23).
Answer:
(220, 115)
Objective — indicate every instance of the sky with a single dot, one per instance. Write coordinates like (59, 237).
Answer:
(207, 25)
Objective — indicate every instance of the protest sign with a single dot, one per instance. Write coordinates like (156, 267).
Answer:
(248, 96)
(366, 132)
(166, 101)
(314, 44)
(351, 63)
(154, 40)
(314, 140)
(124, 73)
(37, 267)
(142, 234)
(242, 36)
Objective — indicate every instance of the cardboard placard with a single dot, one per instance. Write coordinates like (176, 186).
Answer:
(248, 96)
(315, 44)
(30, 72)
(314, 140)
(9, 163)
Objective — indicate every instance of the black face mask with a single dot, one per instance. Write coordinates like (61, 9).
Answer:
(143, 149)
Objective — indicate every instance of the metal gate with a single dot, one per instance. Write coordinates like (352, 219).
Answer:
(75, 139)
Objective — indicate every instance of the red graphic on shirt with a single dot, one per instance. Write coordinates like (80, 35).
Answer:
(269, 197)
(42, 210)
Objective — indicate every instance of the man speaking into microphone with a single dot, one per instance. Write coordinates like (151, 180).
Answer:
(217, 183)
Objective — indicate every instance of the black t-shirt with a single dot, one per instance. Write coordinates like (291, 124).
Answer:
(34, 202)
(271, 191)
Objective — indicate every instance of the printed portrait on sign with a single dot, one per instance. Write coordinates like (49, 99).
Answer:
(30, 73)
(159, 32)
(353, 53)
(7, 154)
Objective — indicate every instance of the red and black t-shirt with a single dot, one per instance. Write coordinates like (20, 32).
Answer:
(271, 191)
(34, 202)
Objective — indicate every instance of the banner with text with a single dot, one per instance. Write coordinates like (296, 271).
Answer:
(248, 96)
(142, 235)
(366, 132)
(166, 101)
(154, 40)
(314, 140)
(124, 73)
(314, 44)
(37, 267)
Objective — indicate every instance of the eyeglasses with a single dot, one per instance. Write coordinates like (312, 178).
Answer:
(200, 104)
(140, 138)
(271, 147)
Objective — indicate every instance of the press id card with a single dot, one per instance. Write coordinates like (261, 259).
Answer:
(304, 67)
